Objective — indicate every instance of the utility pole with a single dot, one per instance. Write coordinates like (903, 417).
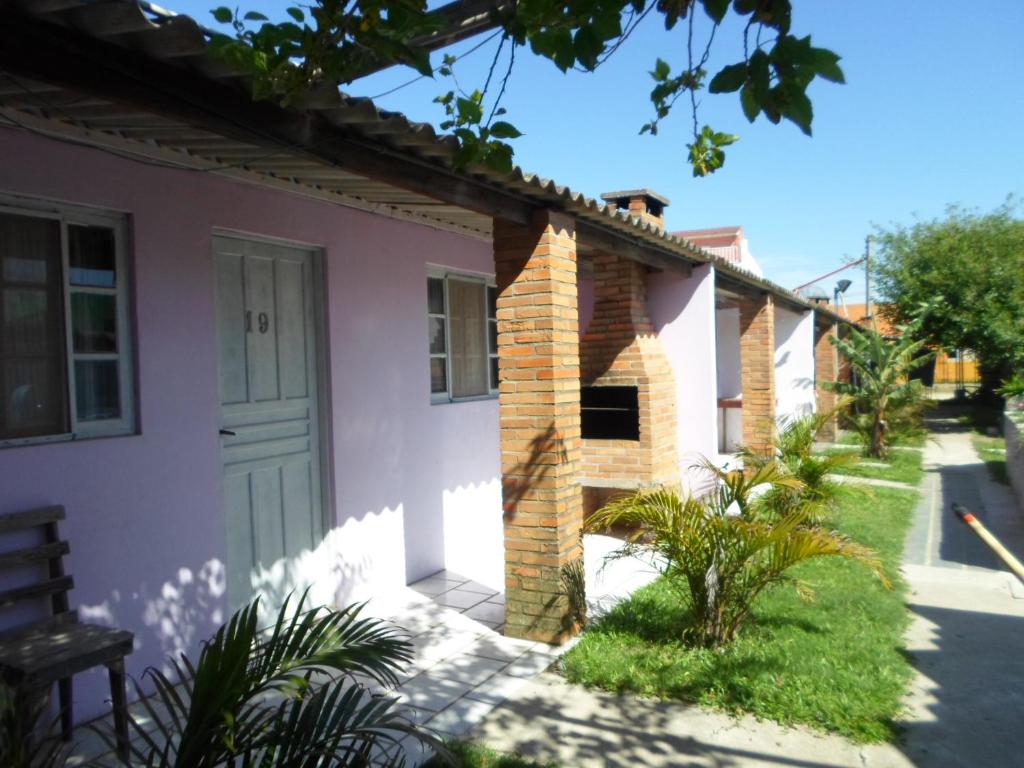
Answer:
(867, 281)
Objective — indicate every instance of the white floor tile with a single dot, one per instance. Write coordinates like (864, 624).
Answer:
(460, 717)
(469, 669)
(529, 664)
(498, 688)
(456, 598)
(431, 693)
(486, 612)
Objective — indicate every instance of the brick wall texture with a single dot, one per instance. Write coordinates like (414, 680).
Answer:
(826, 368)
(620, 348)
(757, 370)
(539, 402)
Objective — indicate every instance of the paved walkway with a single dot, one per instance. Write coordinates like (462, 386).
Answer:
(964, 707)
(463, 666)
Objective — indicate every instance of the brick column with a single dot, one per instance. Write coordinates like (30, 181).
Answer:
(538, 357)
(757, 370)
(826, 368)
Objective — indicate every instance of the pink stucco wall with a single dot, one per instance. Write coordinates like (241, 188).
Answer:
(683, 313)
(145, 516)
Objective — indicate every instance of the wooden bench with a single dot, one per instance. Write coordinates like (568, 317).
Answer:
(35, 656)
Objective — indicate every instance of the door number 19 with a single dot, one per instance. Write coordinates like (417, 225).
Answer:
(262, 322)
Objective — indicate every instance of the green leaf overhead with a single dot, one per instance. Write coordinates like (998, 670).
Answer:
(339, 41)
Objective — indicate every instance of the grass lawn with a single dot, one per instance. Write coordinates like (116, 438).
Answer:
(470, 755)
(900, 466)
(910, 441)
(993, 452)
(835, 664)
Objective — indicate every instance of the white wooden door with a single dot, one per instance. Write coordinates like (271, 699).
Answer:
(267, 342)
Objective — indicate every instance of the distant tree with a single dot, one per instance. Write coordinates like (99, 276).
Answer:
(970, 266)
(334, 42)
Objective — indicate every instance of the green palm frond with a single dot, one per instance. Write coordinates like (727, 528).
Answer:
(296, 694)
(881, 388)
(724, 561)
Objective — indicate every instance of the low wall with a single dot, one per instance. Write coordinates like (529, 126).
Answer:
(1013, 429)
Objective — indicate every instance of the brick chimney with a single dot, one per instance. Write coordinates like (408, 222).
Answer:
(643, 204)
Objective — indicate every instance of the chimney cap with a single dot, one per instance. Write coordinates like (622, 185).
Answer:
(626, 194)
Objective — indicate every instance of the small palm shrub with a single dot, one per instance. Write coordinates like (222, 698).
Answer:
(718, 557)
(296, 695)
(886, 402)
(793, 449)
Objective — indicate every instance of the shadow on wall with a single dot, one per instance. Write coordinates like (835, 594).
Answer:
(546, 451)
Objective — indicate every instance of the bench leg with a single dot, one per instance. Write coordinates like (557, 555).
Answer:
(67, 719)
(119, 700)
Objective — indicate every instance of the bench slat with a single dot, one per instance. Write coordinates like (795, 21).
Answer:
(17, 520)
(41, 589)
(30, 555)
(49, 653)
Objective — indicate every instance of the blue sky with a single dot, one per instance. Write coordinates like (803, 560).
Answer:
(932, 114)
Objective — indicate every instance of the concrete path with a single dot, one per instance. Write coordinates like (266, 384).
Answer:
(966, 638)
(967, 633)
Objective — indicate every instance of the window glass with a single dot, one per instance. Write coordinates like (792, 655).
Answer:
(436, 333)
(33, 393)
(94, 322)
(467, 337)
(492, 301)
(96, 390)
(92, 256)
(438, 376)
(435, 296)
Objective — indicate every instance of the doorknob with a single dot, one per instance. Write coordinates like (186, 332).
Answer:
(227, 432)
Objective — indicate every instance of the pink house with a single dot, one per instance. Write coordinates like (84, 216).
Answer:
(254, 348)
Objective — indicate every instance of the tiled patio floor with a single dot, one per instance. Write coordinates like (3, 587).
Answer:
(463, 665)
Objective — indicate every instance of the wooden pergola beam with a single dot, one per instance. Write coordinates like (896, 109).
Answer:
(56, 54)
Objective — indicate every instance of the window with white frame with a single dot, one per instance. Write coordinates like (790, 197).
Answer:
(65, 351)
(462, 329)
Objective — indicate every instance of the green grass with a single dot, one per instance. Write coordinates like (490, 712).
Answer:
(470, 755)
(909, 441)
(993, 452)
(900, 466)
(835, 664)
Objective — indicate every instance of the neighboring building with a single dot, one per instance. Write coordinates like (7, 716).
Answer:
(253, 348)
(958, 366)
(729, 243)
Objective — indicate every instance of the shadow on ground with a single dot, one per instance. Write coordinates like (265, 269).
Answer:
(969, 690)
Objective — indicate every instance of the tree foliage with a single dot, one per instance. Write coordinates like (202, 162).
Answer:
(333, 42)
(971, 266)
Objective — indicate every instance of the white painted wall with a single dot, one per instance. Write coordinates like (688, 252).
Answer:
(794, 364)
(727, 331)
(683, 313)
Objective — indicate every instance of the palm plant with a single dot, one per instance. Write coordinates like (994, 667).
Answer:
(882, 387)
(296, 695)
(721, 561)
(793, 448)
(25, 741)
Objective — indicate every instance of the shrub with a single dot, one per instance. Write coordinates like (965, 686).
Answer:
(793, 448)
(296, 695)
(719, 558)
(886, 402)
